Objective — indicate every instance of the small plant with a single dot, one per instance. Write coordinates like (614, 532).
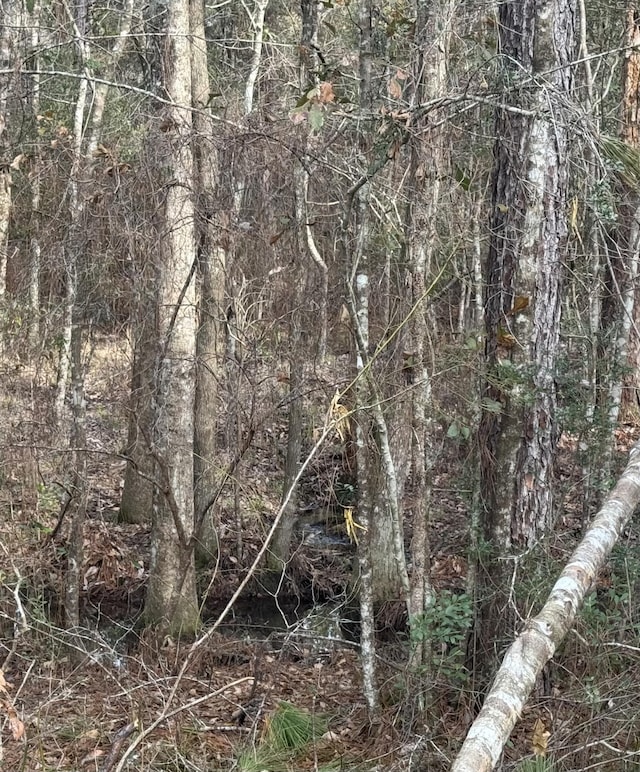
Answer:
(536, 764)
(446, 623)
(291, 729)
(288, 731)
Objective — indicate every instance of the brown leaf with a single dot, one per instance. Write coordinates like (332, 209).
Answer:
(15, 724)
(505, 338)
(395, 89)
(519, 304)
(4, 685)
(325, 92)
(540, 738)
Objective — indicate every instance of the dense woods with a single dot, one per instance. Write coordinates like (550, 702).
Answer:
(319, 342)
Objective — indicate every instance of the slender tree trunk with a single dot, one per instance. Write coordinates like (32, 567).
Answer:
(211, 316)
(33, 299)
(426, 169)
(9, 21)
(257, 22)
(358, 301)
(171, 603)
(79, 486)
(136, 502)
(620, 349)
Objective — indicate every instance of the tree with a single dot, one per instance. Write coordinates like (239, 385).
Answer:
(542, 634)
(518, 431)
(171, 601)
(426, 171)
(211, 273)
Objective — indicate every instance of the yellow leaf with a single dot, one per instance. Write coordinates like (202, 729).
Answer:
(540, 738)
(351, 525)
(339, 414)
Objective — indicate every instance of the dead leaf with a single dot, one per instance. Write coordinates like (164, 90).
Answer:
(15, 164)
(325, 92)
(15, 724)
(4, 685)
(540, 738)
(505, 338)
(395, 89)
(519, 304)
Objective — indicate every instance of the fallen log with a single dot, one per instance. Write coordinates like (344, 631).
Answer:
(537, 642)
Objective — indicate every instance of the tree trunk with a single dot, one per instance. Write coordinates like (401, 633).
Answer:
(211, 316)
(426, 169)
(136, 502)
(9, 21)
(171, 603)
(518, 430)
(620, 337)
(541, 636)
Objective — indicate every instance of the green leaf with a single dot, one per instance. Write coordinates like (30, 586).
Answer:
(492, 406)
(471, 343)
(463, 179)
(316, 117)
(453, 431)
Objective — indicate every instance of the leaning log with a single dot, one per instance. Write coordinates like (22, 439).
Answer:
(541, 635)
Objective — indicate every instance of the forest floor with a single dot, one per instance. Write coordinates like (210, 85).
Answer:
(68, 701)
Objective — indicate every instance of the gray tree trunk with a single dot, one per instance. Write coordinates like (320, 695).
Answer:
(211, 262)
(171, 603)
(426, 169)
(518, 431)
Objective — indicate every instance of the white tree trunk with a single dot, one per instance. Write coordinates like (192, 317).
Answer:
(541, 636)
(257, 21)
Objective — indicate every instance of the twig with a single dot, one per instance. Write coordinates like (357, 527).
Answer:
(169, 714)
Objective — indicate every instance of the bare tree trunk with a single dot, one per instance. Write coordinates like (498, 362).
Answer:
(358, 302)
(136, 502)
(427, 152)
(79, 486)
(257, 22)
(9, 21)
(542, 634)
(171, 602)
(33, 300)
(518, 431)
(211, 316)
(620, 346)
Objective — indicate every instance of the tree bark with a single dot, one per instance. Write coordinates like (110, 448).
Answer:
(211, 316)
(426, 169)
(518, 431)
(171, 603)
(541, 635)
